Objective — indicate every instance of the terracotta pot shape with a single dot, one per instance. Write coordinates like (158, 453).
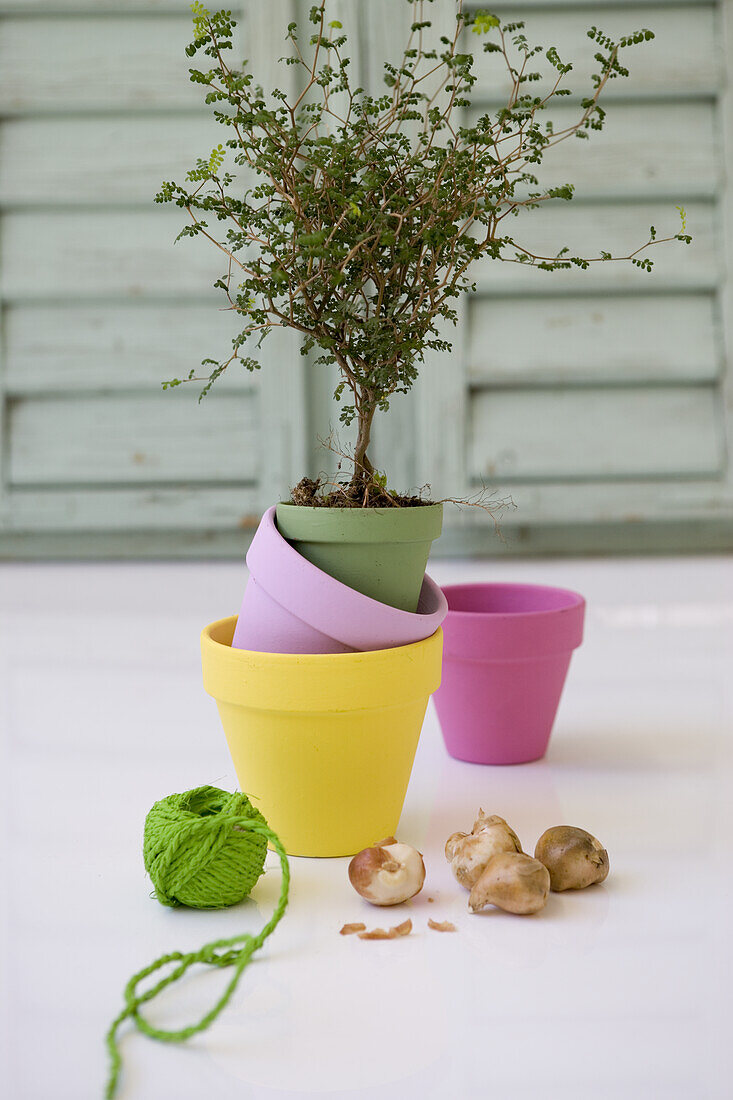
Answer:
(381, 552)
(507, 653)
(323, 744)
(291, 606)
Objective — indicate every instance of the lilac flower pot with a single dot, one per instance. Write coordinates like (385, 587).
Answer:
(506, 653)
(291, 606)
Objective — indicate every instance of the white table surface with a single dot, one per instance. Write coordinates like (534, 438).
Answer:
(622, 991)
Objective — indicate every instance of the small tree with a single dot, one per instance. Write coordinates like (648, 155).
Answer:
(368, 212)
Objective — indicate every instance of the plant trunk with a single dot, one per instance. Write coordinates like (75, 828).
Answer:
(363, 468)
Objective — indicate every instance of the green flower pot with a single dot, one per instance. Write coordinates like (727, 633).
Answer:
(381, 552)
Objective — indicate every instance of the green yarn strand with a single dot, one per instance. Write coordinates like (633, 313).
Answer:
(239, 951)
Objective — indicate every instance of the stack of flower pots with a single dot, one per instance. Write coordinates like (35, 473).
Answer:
(323, 679)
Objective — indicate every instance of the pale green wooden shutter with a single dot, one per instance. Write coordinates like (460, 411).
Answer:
(99, 307)
(597, 400)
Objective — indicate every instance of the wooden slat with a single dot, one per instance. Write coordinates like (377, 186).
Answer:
(144, 6)
(637, 501)
(637, 155)
(595, 433)
(127, 439)
(683, 60)
(617, 228)
(127, 64)
(83, 63)
(564, 340)
(97, 348)
(516, 8)
(283, 404)
(130, 254)
(95, 161)
(155, 509)
(91, 255)
(726, 229)
(225, 509)
(3, 421)
(114, 7)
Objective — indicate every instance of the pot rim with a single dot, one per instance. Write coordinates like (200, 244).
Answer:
(308, 682)
(420, 523)
(575, 601)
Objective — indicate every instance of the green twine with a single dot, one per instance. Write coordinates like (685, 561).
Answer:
(196, 851)
(206, 846)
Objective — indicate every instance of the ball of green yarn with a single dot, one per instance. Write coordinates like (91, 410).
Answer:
(198, 853)
(204, 848)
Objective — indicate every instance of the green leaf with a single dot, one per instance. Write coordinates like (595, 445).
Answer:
(483, 22)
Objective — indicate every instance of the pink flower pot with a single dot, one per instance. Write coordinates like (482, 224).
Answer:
(507, 649)
(291, 606)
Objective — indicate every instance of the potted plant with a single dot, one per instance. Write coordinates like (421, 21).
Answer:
(362, 229)
(360, 232)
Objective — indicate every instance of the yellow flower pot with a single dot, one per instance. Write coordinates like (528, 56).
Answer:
(322, 743)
